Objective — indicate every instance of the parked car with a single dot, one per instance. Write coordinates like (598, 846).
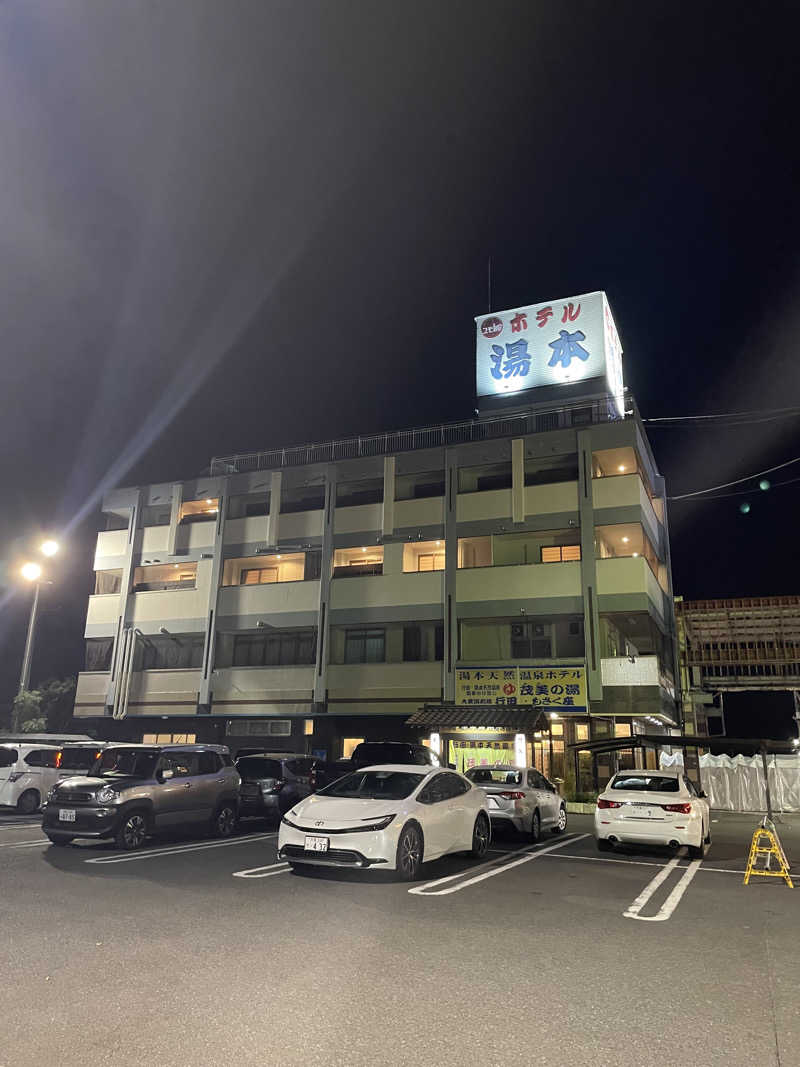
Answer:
(79, 758)
(273, 781)
(135, 790)
(27, 774)
(653, 808)
(394, 816)
(522, 798)
(372, 753)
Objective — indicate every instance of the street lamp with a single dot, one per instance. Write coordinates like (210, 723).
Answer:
(32, 572)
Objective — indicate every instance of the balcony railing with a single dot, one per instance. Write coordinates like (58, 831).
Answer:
(580, 413)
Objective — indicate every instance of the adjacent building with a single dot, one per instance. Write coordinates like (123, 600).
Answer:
(498, 586)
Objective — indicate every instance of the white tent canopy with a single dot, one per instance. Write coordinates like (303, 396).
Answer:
(736, 783)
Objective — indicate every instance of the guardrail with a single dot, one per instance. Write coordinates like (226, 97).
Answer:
(587, 412)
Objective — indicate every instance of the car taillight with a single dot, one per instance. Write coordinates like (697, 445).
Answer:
(601, 803)
(513, 795)
(680, 809)
(59, 756)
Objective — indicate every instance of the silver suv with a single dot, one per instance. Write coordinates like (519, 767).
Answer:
(135, 790)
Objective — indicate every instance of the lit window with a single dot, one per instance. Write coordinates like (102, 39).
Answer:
(561, 553)
(165, 576)
(423, 556)
(349, 562)
(203, 510)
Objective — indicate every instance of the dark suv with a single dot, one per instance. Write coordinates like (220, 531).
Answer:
(273, 781)
(135, 790)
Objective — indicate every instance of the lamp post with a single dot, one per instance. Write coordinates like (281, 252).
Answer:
(32, 572)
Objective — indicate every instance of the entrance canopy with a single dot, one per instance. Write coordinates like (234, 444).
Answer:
(725, 744)
(509, 717)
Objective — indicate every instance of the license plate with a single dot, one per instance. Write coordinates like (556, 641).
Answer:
(316, 844)
(66, 815)
(640, 810)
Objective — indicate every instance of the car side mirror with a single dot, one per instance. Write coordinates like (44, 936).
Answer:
(165, 775)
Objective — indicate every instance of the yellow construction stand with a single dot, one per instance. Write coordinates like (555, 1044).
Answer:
(767, 832)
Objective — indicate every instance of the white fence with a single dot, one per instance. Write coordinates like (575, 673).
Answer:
(736, 783)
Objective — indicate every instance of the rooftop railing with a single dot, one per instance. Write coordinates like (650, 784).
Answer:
(537, 420)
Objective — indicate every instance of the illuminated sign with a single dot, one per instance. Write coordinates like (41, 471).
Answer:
(559, 688)
(556, 343)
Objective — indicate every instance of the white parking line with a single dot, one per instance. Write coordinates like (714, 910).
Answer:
(497, 869)
(672, 901)
(180, 849)
(24, 844)
(263, 872)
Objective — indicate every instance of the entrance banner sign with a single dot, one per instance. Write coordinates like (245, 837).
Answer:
(556, 343)
(559, 688)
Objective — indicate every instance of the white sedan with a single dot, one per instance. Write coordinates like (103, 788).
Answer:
(653, 808)
(392, 816)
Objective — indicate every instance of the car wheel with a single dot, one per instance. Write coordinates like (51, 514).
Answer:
(29, 802)
(561, 825)
(696, 852)
(536, 827)
(481, 835)
(132, 831)
(603, 845)
(409, 853)
(59, 842)
(224, 822)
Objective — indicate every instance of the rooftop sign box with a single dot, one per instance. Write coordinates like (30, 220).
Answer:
(557, 343)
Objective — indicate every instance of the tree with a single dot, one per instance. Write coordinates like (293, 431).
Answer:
(46, 709)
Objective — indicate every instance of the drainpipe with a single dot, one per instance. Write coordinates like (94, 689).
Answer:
(129, 671)
(123, 652)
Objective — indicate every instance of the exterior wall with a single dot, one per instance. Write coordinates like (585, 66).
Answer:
(394, 688)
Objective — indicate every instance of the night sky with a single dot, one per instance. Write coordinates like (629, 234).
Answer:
(228, 226)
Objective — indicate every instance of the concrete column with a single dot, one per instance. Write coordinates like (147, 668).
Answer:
(174, 518)
(273, 521)
(323, 617)
(591, 617)
(388, 496)
(210, 644)
(518, 480)
(132, 551)
(449, 605)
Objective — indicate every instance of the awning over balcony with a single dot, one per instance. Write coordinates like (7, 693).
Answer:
(479, 716)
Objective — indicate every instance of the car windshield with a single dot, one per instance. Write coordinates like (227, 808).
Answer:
(646, 783)
(78, 759)
(127, 762)
(374, 785)
(258, 767)
(501, 775)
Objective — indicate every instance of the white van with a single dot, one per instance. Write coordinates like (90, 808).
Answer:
(27, 774)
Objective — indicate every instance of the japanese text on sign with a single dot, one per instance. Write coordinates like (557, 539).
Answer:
(555, 687)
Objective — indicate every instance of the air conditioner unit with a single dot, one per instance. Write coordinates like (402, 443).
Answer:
(517, 629)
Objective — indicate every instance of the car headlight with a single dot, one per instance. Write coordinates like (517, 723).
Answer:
(376, 824)
(289, 822)
(106, 795)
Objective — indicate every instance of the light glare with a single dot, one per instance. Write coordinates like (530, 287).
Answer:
(49, 548)
(31, 571)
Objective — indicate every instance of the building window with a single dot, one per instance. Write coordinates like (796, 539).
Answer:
(412, 643)
(265, 570)
(117, 522)
(169, 652)
(302, 498)
(107, 582)
(352, 494)
(349, 746)
(287, 648)
(204, 510)
(627, 539)
(486, 477)
(438, 642)
(156, 515)
(474, 552)
(365, 646)
(165, 576)
(98, 653)
(530, 640)
(419, 486)
(549, 470)
(168, 739)
(248, 505)
(561, 553)
(423, 556)
(350, 562)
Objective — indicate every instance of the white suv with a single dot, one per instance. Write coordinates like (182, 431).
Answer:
(27, 774)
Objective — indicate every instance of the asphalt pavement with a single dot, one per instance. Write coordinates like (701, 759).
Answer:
(203, 952)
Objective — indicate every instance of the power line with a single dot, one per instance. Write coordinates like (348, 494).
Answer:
(736, 481)
(761, 412)
(742, 492)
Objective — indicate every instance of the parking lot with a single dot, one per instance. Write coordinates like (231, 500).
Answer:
(197, 951)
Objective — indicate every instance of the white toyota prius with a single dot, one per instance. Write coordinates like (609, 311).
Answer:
(392, 816)
(653, 808)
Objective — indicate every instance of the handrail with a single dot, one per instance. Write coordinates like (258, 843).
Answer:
(534, 420)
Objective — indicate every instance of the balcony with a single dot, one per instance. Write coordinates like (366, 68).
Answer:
(520, 582)
(102, 614)
(630, 575)
(269, 598)
(382, 681)
(262, 690)
(164, 692)
(111, 544)
(624, 670)
(358, 518)
(556, 498)
(388, 590)
(417, 514)
(90, 694)
(155, 539)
